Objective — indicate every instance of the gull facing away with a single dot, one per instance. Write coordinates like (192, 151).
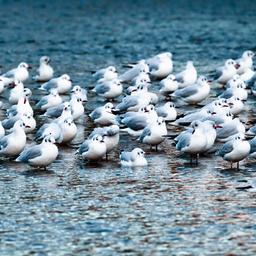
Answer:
(45, 71)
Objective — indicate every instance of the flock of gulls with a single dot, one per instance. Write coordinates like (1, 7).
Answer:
(138, 102)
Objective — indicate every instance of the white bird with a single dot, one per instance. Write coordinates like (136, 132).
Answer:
(16, 92)
(12, 144)
(235, 150)
(168, 85)
(20, 73)
(167, 111)
(68, 130)
(40, 155)
(62, 84)
(134, 71)
(225, 73)
(135, 158)
(245, 62)
(188, 76)
(50, 129)
(106, 74)
(153, 134)
(45, 71)
(110, 134)
(80, 93)
(77, 108)
(195, 142)
(236, 105)
(57, 111)
(51, 100)
(109, 89)
(238, 91)
(161, 65)
(194, 94)
(93, 149)
(103, 115)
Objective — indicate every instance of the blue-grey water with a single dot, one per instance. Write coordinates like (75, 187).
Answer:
(167, 208)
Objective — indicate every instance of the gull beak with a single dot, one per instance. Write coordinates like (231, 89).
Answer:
(237, 66)
(214, 113)
(27, 126)
(225, 106)
(29, 67)
(231, 104)
(12, 85)
(217, 126)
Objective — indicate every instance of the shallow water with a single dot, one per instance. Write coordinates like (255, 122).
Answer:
(167, 208)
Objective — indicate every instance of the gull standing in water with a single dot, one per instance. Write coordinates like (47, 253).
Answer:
(135, 158)
(40, 155)
(45, 71)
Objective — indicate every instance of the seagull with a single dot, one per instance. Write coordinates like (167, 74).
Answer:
(50, 129)
(153, 134)
(238, 91)
(195, 142)
(194, 94)
(45, 71)
(188, 76)
(22, 106)
(225, 73)
(161, 65)
(77, 108)
(142, 77)
(168, 85)
(93, 149)
(51, 100)
(245, 62)
(135, 158)
(16, 92)
(62, 84)
(167, 111)
(68, 130)
(236, 105)
(40, 155)
(55, 112)
(109, 89)
(106, 74)
(235, 150)
(134, 71)
(110, 134)
(12, 144)
(80, 93)
(103, 115)
(20, 73)
(134, 102)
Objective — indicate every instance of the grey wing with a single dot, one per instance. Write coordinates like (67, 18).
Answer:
(226, 148)
(253, 145)
(3, 142)
(226, 131)
(186, 92)
(226, 94)
(98, 130)
(9, 74)
(49, 85)
(136, 123)
(126, 156)
(29, 154)
(40, 131)
(55, 111)
(253, 129)
(217, 74)
(179, 77)
(84, 147)
(102, 88)
(161, 112)
(127, 102)
(42, 102)
(183, 141)
(95, 114)
(8, 123)
(146, 132)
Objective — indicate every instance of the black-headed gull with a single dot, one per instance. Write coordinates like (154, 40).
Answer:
(153, 134)
(235, 150)
(135, 158)
(12, 144)
(167, 111)
(51, 100)
(245, 62)
(93, 149)
(103, 115)
(188, 76)
(62, 84)
(106, 74)
(40, 155)
(45, 71)
(168, 85)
